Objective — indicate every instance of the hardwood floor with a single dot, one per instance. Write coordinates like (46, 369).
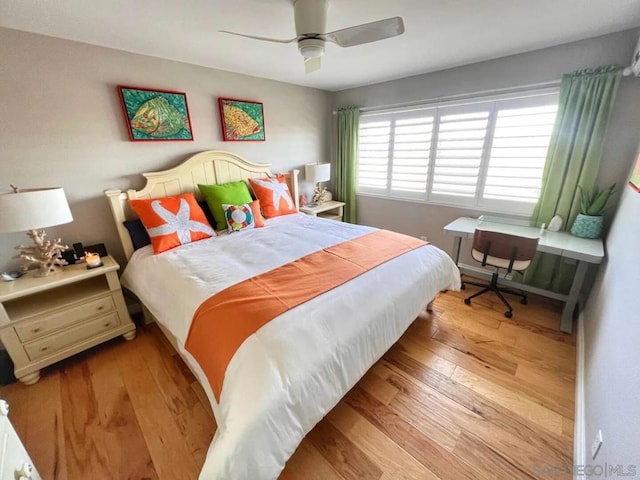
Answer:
(464, 394)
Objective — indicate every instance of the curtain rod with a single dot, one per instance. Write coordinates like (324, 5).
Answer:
(462, 96)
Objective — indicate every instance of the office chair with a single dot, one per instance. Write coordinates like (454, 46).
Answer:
(502, 251)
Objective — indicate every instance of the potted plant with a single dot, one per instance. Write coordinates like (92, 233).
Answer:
(589, 222)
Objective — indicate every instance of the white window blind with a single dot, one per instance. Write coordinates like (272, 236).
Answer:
(394, 154)
(461, 139)
(410, 157)
(374, 155)
(487, 154)
(518, 152)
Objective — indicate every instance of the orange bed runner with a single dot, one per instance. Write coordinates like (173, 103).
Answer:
(225, 320)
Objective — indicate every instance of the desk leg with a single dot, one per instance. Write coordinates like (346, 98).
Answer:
(566, 323)
(456, 249)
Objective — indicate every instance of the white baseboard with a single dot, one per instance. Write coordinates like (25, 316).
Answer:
(579, 441)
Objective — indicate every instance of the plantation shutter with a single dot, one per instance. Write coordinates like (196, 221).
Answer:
(373, 160)
(461, 143)
(410, 159)
(486, 153)
(519, 149)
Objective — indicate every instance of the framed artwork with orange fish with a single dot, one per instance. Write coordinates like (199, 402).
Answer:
(153, 115)
(241, 120)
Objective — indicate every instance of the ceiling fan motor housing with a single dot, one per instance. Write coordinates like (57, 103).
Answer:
(311, 47)
(310, 17)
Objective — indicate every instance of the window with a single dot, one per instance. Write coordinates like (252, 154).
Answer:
(485, 154)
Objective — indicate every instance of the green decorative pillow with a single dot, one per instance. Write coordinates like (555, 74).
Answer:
(235, 193)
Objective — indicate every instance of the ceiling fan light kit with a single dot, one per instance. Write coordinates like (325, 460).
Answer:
(311, 22)
(311, 47)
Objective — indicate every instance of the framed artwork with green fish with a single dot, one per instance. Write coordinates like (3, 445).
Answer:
(153, 115)
(241, 120)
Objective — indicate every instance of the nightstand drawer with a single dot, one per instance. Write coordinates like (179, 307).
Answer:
(71, 336)
(42, 325)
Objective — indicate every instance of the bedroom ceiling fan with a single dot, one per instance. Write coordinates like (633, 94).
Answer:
(311, 21)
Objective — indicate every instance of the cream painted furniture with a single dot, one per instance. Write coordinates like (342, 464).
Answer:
(15, 463)
(582, 250)
(331, 210)
(207, 168)
(46, 319)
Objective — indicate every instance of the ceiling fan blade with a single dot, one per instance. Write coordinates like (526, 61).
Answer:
(265, 39)
(367, 32)
(311, 64)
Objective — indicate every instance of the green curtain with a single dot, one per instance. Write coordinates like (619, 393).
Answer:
(573, 159)
(347, 159)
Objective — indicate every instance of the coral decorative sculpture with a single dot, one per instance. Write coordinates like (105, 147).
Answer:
(320, 195)
(43, 253)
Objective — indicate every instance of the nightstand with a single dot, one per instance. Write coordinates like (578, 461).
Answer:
(331, 210)
(14, 459)
(46, 319)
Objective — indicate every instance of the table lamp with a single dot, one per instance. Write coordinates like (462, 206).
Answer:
(318, 173)
(34, 209)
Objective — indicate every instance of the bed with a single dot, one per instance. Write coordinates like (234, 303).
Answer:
(287, 375)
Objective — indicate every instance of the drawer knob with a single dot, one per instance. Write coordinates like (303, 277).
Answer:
(100, 307)
(4, 408)
(107, 324)
(25, 471)
(44, 349)
(36, 330)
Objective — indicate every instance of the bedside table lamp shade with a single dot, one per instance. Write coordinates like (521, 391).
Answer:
(318, 173)
(31, 210)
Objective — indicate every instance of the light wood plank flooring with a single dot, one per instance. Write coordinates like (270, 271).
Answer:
(465, 394)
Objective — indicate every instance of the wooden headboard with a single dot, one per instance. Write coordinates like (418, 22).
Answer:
(210, 167)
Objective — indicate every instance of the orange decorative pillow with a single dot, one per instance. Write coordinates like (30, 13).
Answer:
(172, 221)
(274, 196)
(257, 214)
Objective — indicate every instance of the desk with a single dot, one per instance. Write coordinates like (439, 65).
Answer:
(584, 251)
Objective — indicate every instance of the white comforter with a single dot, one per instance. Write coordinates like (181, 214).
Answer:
(290, 373)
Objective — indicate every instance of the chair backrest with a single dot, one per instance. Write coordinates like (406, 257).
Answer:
(503, 250)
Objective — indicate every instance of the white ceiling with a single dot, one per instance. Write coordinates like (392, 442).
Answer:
(439, 33)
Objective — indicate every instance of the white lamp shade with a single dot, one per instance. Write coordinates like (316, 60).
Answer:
(30, 209)
(317, 172)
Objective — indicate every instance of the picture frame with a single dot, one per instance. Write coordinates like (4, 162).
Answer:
(634, 180)
(241, 120)
(155, 115)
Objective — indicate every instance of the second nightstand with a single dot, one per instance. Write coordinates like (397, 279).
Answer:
(331, 210)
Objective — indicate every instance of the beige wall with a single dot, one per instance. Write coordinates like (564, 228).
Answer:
(62, 125)
(612, 355)
(540, 66)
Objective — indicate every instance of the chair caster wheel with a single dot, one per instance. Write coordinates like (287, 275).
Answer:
(508, 314)
(463, 286)
(524, 301)
(467, 301)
